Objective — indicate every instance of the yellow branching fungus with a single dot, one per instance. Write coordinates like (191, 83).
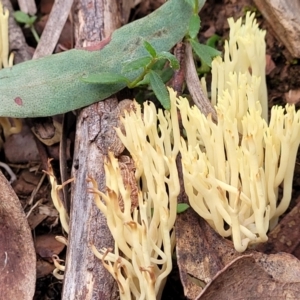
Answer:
(145, 235)
(233, 169)
(8, 128)
(233, 179)
(63, 217)
(4, 45)
(6, 61)
(244, 56)
(57, 202)
(59, 267)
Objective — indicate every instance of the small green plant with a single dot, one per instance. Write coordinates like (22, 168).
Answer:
(153, 73)
(205, 68)
(182, 207)
(204, 52)
(28, 20)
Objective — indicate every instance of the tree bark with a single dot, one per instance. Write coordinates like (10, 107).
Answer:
(85, 276)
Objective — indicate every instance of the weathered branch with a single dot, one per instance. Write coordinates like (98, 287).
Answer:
(85, 276)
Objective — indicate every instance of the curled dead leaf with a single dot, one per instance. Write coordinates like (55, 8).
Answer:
(17, 254)
(249, 279)
(208, 265)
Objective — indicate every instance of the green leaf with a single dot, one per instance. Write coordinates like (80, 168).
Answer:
(211, 42)
(166, 74)
(159, 65)
(144, 81)
(159, 89)
(104, 78)
(45, 76)
(192, 3)
(32, 19)
(136, 64)
(181, 207)
(150, 49)
(21, 17)
(194, 26)
(204, 52)
(196, 4)
(170, 57)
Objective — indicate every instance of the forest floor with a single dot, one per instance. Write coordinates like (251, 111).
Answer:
(283, 83)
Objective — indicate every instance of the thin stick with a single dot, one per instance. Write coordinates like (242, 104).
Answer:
(54, 26)
(194, 86)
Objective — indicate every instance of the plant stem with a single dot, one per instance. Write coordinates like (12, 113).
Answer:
(34, 33)
(147, 68)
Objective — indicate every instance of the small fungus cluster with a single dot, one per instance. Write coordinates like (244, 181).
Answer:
(242, 69)
(144, 233)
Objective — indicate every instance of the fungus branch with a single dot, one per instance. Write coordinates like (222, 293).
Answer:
(237, 181)
(145, 233)
(245, 57)
(232, 170)
(57, 202)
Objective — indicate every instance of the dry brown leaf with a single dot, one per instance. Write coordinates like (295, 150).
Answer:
(46, 246)
(26, 183)
(282, 267)
(296, 252)
(43, 268)
(17, 255)
(46, 6)
(270, 65)
(35, 218)
(285, 237)
(210, 31)
(244, 278)
(47, 130)
(21, 147)
(201, 252)
(203, 256)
